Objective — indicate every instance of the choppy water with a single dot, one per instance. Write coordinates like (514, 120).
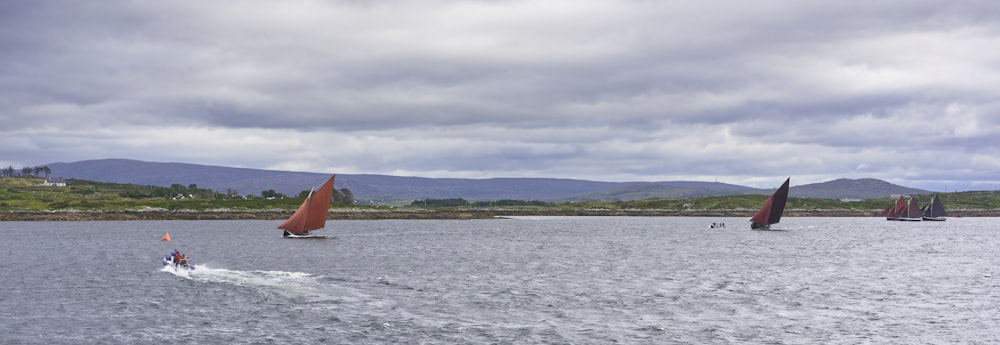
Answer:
(587, 280)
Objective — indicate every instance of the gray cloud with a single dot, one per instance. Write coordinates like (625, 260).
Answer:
(608, 90)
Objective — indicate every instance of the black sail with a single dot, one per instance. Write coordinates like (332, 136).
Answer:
(770, 213)
(778, 204)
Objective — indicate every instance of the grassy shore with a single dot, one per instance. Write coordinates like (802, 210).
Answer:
(24, 199)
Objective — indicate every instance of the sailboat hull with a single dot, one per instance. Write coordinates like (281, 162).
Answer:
(166, 262)
(935, 219)
(758, 227)
(306, 236)
(303, 236)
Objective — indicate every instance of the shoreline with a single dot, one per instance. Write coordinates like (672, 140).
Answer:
(364, 214)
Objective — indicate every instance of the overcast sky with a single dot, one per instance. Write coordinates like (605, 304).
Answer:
(742, 92)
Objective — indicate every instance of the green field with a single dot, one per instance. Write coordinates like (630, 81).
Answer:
(26, 194)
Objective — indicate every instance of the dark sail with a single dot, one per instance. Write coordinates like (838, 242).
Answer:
(913, 210)
(937, 208)
(771, 212)
(778, 205)
(935, 211)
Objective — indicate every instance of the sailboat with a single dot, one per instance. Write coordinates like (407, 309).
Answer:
(892, 211)
(906, 211)
(311, 215)
(771, 212)
(935, 210)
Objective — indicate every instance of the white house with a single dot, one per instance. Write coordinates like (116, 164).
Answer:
(54, 182)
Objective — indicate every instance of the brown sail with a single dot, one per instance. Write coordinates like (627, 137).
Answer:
(899, 210)
(907, 211)
(771, 212)
(913, 210)
(312, 214)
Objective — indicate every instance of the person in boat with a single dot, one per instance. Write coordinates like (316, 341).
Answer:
(177, 257)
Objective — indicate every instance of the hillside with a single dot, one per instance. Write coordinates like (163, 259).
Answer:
(667, 190)
(364, 186)
(383, 188)
(852, 189)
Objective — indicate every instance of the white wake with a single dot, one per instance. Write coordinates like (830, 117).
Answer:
(300, 286)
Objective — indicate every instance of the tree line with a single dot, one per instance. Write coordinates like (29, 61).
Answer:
(341, 196)
(37, 171)
(453, 202)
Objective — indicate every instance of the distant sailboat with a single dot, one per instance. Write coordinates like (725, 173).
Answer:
(906, 211)
(935, 211)
(311, 215)
(771, 212)
(898, 208)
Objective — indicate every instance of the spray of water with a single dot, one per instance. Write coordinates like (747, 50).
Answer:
(299, 286)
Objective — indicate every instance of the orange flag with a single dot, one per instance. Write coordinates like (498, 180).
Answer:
(166, 237)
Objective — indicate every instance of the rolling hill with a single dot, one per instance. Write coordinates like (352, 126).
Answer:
(382, 188)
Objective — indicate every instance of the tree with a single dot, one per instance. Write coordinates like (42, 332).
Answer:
(271, 193)
(441, 202)
(343, 196)
(348, 195)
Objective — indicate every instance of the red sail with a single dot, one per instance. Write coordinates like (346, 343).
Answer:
(312, 214)
(771, 212)
(764, 213)
(900, 210)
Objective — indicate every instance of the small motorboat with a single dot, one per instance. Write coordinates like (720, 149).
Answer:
(178, 261)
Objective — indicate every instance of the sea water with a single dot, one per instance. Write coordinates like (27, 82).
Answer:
(527, 280)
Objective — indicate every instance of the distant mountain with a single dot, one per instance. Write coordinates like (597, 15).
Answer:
(866, 188)
(367, 187)
(836, 189)
(364, 187)
(666, 190)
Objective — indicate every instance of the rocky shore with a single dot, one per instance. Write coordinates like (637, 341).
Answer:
(335, 214)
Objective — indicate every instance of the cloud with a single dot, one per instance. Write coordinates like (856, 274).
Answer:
(608, 90)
